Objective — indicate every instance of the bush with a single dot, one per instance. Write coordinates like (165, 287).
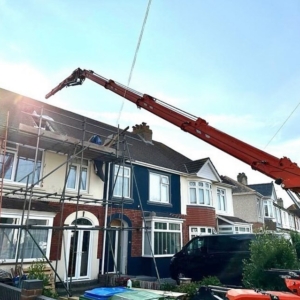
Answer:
(268, 251)
(190, 288)
(295, 237)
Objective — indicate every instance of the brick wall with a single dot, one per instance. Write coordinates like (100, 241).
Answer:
(198, 216)
(68, 209)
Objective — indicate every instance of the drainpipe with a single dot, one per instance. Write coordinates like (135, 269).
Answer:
(105, 220)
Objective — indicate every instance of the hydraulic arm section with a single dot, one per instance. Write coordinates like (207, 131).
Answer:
(282, 170)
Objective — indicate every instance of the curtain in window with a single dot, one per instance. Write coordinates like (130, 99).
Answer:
(30, 249)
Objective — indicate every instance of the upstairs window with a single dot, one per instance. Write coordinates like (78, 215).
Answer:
(159, 190)
(258, 208)
(221, 200)
(269, 209)
(77, 176)
(200, 193)
(122, 181)
(19, 164)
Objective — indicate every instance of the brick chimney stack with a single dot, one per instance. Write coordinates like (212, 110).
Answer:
(242, 178)
(143, 131)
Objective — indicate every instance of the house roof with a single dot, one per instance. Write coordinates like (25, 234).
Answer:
(266, 189)
(229, 219)
(70, 124)
(193, 167)
(237, 186)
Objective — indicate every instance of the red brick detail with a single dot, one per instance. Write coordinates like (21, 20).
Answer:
(66, 210)
(198, 216)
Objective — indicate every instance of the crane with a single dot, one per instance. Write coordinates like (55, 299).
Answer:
(284, 172)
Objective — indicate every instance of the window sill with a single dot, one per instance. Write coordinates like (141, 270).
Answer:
(120, 201)
(201, 205)
(159, 203)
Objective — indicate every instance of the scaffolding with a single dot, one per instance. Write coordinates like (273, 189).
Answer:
(44, 128)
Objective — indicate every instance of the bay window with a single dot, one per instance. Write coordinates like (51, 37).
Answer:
(26, 247)
(159, 190)
(164, 236)
(200, 193)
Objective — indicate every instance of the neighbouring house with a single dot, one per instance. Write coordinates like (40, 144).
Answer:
(208, 201)
(93, 199)
(259, 205)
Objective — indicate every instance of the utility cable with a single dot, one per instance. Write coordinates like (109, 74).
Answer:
(282, 125)
(134, 59)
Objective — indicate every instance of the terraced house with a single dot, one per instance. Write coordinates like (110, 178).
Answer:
(92, 199)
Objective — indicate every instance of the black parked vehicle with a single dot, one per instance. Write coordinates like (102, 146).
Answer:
(217, 255)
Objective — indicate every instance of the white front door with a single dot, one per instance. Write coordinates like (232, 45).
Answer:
(79, 242)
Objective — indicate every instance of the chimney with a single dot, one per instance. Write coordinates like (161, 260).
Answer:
(280, 202)
(242, 178)
(143, 131)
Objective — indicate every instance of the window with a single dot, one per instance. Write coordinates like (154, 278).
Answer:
(241, 229)
(258, 208)
(18, 164)
(221, 195)
(159, 190)
(74, 178)
(26, 248)
(269, 210)
(122, 181)
(200, 193)
(291, 222)
(164, 236)
(196, 231)
(225, 229)
(278, 217)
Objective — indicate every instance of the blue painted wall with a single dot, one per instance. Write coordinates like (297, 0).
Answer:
(140, 194)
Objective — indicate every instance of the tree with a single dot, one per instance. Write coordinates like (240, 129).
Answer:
(268, 250)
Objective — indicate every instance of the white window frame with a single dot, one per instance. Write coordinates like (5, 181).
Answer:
(49, 222)
(278, 217)
(150, 234)
(160, 193)
(238, 229)
(291, 222)
(125, 178)
(258, 205)
(207, 192)
(221, 200)
(200, 230)
(270, 209)
(14, 168)
(77, 176)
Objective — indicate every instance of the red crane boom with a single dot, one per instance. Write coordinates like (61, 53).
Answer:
(282, 170)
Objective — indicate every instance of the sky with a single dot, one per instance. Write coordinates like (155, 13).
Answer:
(233, 63)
